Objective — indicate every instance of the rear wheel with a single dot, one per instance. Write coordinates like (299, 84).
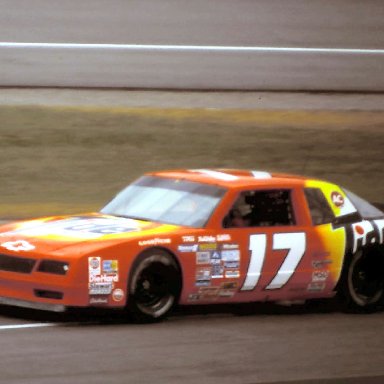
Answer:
(363, 281)
(154, 286)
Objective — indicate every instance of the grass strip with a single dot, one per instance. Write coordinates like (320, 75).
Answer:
(70, 159)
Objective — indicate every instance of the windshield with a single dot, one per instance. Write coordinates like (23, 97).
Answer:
(170, 201)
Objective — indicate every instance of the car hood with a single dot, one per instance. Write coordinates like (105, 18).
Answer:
(92, 231)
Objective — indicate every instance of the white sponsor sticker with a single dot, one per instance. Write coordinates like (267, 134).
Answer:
(230, 255)
(203, 257)
(104, 278)
(206, 239)
(100, 288)
(80, 227)
(188, 248)
(155, 241)
(118, 294)
(94, 266)
(18, 245)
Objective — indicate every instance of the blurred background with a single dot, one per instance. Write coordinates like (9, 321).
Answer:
(94, 93)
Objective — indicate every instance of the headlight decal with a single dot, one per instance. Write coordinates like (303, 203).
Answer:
(53, 266)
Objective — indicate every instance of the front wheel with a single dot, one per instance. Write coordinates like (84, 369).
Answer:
(362, 285)
(154, 286)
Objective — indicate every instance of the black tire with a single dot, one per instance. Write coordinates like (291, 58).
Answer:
(362, 282)
(154, 286)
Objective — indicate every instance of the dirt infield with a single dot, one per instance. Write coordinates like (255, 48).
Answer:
(61, 159)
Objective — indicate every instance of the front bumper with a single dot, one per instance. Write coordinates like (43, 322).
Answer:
(32, 305)
(38, 283)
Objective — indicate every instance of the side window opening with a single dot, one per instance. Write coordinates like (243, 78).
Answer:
(321, 212)
(263, 208)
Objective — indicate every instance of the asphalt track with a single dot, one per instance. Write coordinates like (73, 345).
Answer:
(200, 44)
(269, 344)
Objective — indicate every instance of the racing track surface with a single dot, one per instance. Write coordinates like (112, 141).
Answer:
(269, 344)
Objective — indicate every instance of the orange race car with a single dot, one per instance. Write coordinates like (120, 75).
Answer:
(200, 236)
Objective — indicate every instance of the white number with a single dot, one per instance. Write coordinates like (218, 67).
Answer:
(295, 243)
(257, 246)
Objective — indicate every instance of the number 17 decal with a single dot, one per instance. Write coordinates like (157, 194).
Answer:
(294, 242)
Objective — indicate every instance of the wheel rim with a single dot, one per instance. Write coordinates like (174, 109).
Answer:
(153, 291)
(365, 280)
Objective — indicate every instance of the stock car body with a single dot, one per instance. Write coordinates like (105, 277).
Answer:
(201, 236)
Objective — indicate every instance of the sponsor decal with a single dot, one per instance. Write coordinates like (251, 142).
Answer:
(316, 287)
(216, 255)
(231, 255)
(118, 294)
(230, 246)
(215, 261)
(318, 264)
(188, 239)
(363, 233)
(337, 199)
(321, 254)
(229, 285)
(319, 276)
(188, 248)
(104, 278)
(94, 266)
(226, 293)
(217, 272)
(100, 288)
(340, 204)
(209, 292)
(232, 264)
(203, 277)
(100, 227)
(203, 257)
(98, 300)
(203, 274)
(101, 273)
(18, 245)
(212, 293)
(223, 237)
(208, 247)
(156, 241)
(80, 227)
(235, 274)
(110, 266)
(206, 239)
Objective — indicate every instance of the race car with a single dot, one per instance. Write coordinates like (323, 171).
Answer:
(200, 236)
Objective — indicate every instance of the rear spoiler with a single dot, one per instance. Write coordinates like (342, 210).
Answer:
(379, 206)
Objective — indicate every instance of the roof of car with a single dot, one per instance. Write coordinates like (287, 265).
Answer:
(232, 177)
